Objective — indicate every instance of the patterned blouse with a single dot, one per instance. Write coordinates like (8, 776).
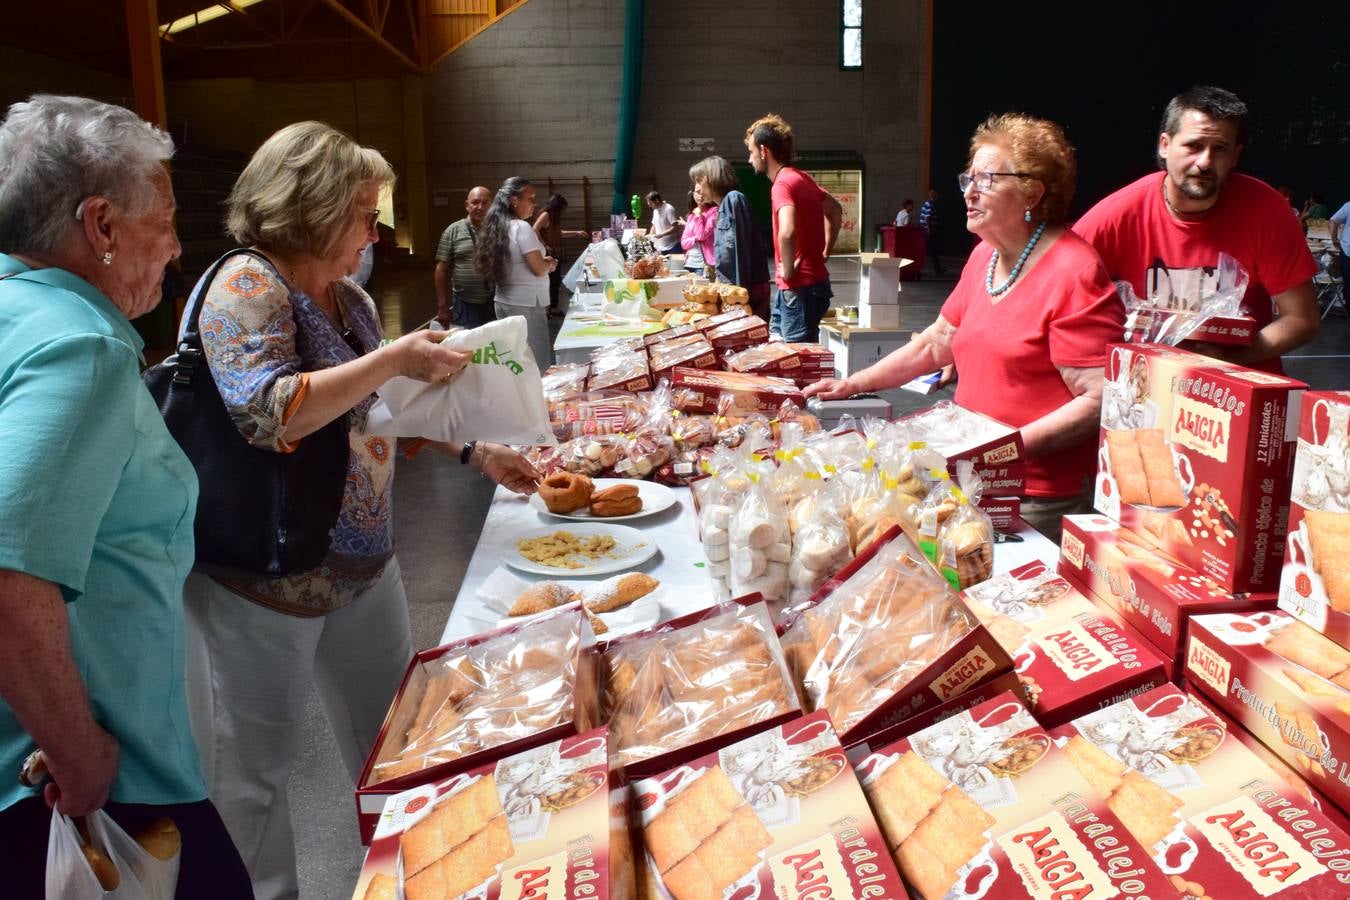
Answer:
(262, 338)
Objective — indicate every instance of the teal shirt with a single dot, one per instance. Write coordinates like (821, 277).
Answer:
(97, 497)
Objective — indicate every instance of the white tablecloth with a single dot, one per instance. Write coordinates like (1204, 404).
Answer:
(583, 329)
(678, 565)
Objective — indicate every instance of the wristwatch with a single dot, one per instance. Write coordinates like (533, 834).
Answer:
(466, 452)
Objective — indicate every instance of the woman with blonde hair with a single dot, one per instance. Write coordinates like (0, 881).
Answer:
(1028, 323)
(738, 250)
(294, 344)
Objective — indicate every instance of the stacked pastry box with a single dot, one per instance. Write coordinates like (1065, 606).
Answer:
(802, 363)
(779, 814)
(1071, 655)
(995, 449)
(885, 640)
(1285, 683)
(983, 804)
(478, 699)
(1196, 457)
(701, 391)
(1217, 820)
(1315, 581)
(533, 824)
(1154, 593)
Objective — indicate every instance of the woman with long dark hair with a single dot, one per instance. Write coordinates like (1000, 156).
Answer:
(510, 254)
(548, 225)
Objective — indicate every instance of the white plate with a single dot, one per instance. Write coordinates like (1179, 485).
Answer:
(642, 613)
(632, 548)
(655, 498)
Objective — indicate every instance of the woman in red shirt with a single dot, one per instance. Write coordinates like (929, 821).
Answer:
(1028, 323)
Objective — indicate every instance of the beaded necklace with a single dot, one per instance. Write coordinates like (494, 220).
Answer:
(1016, 270)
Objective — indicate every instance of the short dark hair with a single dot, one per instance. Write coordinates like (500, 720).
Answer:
(1213, 102)
(653, 197)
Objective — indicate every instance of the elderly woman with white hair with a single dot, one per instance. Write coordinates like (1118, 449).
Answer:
(293, 344)
(96, 499)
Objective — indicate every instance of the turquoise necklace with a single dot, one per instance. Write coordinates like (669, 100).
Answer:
(1016, 270)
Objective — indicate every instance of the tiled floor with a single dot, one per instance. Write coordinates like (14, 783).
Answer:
(439, 509)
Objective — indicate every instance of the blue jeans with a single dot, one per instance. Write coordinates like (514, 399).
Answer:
(796, 312)
(471, 315)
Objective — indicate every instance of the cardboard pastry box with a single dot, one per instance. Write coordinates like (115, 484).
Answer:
(535, 824)
(1071, 655)
(779, 814)
(1315, 581)
(958, 433)
(1218, 821)
(1283, 682)
(1155, 593)
(1196, 456)
(984, 804)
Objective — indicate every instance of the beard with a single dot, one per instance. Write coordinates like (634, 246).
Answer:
(1197, 187)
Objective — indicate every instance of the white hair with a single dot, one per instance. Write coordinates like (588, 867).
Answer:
(56, 152)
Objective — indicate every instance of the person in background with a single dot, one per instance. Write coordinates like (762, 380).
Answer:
(1340, 237)
(906, 212)
(455, 274)
(1197, 207)
(96, 498)
(548, 225)
(511, 256)
(738, 253)
(806, 221)
(1314, 208)
(293, 344)
(700, 231)
(1029, 320)
(928, 222)
(665, 231)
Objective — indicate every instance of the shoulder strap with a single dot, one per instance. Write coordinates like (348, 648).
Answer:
(189, 354)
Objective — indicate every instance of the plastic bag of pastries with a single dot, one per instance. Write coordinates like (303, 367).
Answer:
(566, 381)
(873, 633)
(674, 687)
(965, 547)
(702, 294)
(718, 495)
(596, 412)
(508, 687)
(791, 413)
(584, 455)
(643, 451)
(613, 370)
(821, 546)
(732, 294)
(759, 543)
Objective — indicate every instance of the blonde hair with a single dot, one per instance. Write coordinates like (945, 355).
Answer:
(298, 191)
(1039, 149)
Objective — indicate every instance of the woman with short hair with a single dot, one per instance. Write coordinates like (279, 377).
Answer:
(96, 498)
(294, 344)
(737, 246)
(1028, 323)
(511, 256)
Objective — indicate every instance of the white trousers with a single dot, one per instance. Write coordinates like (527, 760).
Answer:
(249, 669)
(536, 318)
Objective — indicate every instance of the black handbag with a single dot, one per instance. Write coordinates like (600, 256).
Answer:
(260, 513)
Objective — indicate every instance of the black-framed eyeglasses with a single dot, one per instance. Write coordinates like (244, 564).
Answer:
(351, 339)
(983, 181)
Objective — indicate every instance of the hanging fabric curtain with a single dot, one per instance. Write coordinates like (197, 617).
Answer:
(634, 14)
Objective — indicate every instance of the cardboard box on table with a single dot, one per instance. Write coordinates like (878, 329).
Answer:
(958, 433)
(1233, 330)
(1196, 456)
(665, 292)
(1155, 593)
(885, 639)
(746, 331)
(1283, 682)
(1071, 655)
(777, 814)
(534, 824)
(1315, 580)
(692, 352)
(548, 662)
(1217, 821)
(701, 390)
(879, 291)
(984, 804)
(855, 349)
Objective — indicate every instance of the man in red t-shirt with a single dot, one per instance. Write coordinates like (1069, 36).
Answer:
(805, 223)
(1150, 232)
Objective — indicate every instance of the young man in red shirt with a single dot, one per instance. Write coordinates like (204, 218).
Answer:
(805, 223)
(1148, 233)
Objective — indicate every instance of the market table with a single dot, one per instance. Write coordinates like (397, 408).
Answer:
(584, 329)
(679, 564)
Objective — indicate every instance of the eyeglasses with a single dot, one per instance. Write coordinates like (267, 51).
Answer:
(983, 181)
(372, 217)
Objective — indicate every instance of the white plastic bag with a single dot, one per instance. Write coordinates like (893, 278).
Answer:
(498, 397)
(140, 875)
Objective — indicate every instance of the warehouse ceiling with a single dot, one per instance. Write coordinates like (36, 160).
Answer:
(306, 39)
